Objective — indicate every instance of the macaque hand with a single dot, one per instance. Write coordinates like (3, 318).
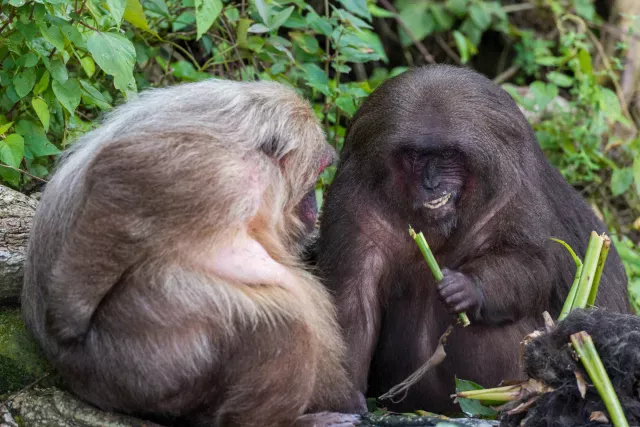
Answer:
(458, 292)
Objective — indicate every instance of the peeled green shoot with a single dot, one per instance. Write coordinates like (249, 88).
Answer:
(568, 303)
(589, 268)
(433, 265)
(596, 280)
(583, 345)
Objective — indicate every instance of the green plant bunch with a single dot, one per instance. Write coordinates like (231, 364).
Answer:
(66, 62)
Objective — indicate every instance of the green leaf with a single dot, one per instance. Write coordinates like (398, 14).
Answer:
(116, 56)
(418, 20)
(379, 12)
(88, 65)
(621, 180)
(346, 104)
(472, 407)
(24, 81)
(58, 70)
(134, 14)
(359, 7)
(42, 84)
(609, 103)
(442, 18)
(241, 32)
(116, 9)
(586, 65)
(463, 46)
(316, 78)
(206, 13)
(543, 93)
(53, 35)
(29, 60)
(92, 96)
(42, 111)
(5, 127)
(458, 7)
(560, 79)
(480, 16)
(258, 29)
(636, 173)
(36, 143)
(585, 8)
(68, 94)
(279, 18)
(320, 24)
(12, 150)
(17, 3)
(264, 10)
(305, 42)
(72, 34)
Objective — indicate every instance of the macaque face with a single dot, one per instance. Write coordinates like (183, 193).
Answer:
(433, 180)
(308, 207)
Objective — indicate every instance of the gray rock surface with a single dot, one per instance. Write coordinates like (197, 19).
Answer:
(16, 216)
(51, 407)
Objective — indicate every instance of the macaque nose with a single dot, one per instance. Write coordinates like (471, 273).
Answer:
(431, 179)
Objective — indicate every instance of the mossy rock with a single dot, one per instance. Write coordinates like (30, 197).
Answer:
(21, 361)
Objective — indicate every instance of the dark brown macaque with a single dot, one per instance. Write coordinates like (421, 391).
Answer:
(446, 151)
(163, 273)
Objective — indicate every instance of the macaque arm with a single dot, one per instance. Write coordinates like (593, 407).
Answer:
(355, 280)
(512, 285)
(244, 260)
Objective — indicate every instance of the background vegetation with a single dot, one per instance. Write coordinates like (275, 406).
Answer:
(569, 63)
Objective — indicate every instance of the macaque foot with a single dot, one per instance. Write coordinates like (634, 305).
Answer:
(327, 419)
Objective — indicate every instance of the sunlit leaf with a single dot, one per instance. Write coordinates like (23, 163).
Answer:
(12, 150)
(462, 45)
(116, 56)
(42, 84)
(5, 127)
(207, 12)
(42, 111)
(116, 8)
(88, 65)
(134, 14)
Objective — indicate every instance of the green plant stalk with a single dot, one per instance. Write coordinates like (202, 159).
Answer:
(596, 279)
(568, 303)
(583, 344)
(433, 266)
(588, 271)
(498, 394)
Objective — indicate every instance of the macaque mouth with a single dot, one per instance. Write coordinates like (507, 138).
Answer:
(309, 209)
(437, 203)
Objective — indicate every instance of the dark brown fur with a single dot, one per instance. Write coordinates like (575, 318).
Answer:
(497, 241)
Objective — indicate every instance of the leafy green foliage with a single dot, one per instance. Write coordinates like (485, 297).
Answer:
(473, 408)
(63, 63)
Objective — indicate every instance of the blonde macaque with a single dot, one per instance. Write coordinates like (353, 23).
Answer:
(163, 273)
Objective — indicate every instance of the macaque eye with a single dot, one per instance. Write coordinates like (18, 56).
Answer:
(448, 154)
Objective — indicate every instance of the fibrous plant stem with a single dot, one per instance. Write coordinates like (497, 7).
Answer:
(433, 265)
(583, 344)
